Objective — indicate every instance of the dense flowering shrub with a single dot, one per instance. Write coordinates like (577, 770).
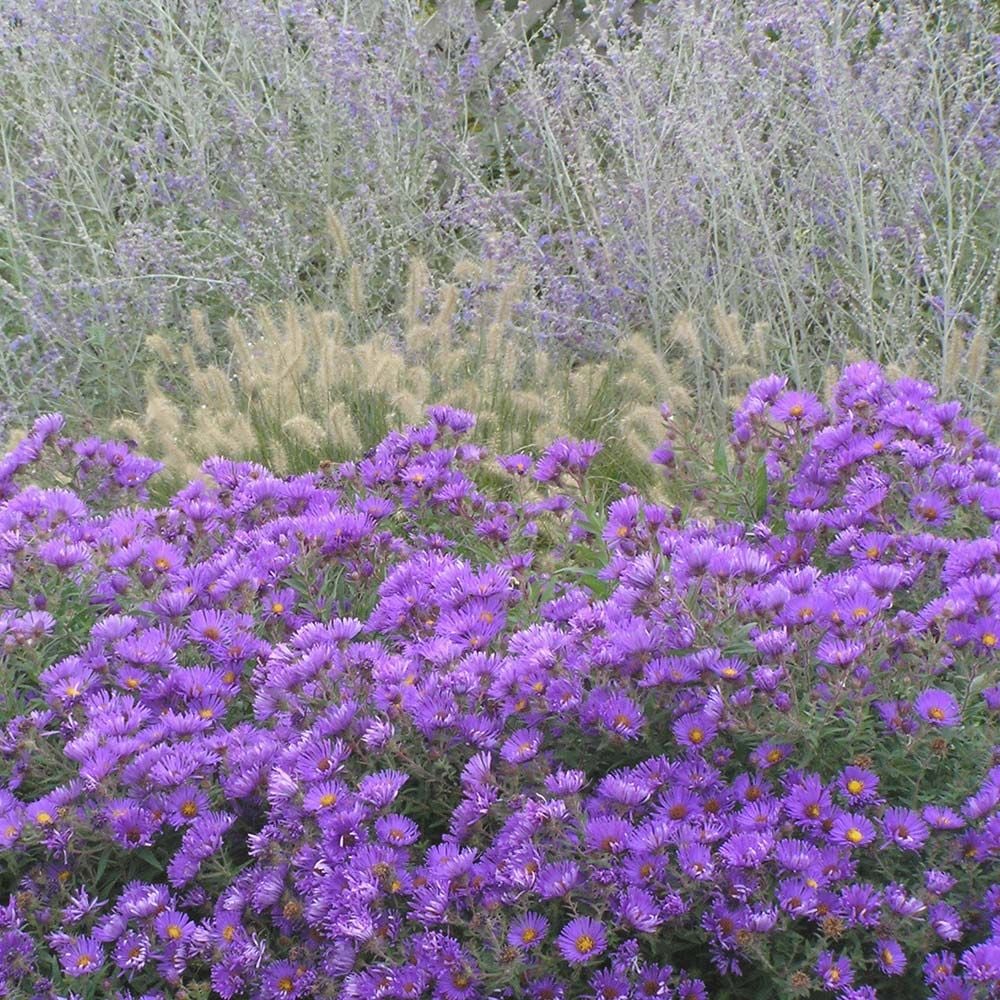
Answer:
(427, 725)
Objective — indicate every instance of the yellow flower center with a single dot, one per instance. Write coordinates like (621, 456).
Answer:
(277, 608)
(585, 944)
(855, 787)
(206, 713)
(285, 984)
(162, 564)
(84, 962)
(228, 932)
(328, 799)
(989, 639)
(696, 735)
(174, 932)
(797, 410)
(854, 835)
(936, 713)
(529, 934)
(43, 818)
(189, 809)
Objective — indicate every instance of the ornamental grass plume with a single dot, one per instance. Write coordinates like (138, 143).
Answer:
(313, 386)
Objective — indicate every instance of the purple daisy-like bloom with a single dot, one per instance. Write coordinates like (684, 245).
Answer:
(397, 830)
(939, 882)
(527, 932)
(694, 730)
(173, 926)
(891, 958)
(982, 962)
(945, 921)
(622, 716)
(522, 746)
(835, 972)
(930, 508)
(802, 409)
(905, 828)
(852, 830)
(938, 707)
(285, 981)
(942, 818)
(581, 940)
(82, 957)
(858, 784)
(938, 966)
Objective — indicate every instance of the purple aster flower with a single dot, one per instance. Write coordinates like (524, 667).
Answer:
(942, 818)
(285, 981)
(692, 989)
(808, 802)
(527, 932)
(891, 958)
(945, 921)
(517, 465)
(610, 985)
(769, 754)
(397, 830)
(172, 925)
(852, 830)
(930, 508)
(982, 962)
(858, 784)
(939, 882)
(82, 957)
(557, 879)
(694, 730)
(640, 910)
(905, 828)
(547, 988)
(938, 966)
(622, 716)
(522, 746)
(581, 940)
(938, 707)
(953, 988)
(836, 973)
(695, 860)
(801, 409)
(859, 905)
(131, 951)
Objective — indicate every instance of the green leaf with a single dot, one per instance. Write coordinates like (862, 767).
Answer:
(720, 460)
(760, 491)
(979, 682)
(149, 856)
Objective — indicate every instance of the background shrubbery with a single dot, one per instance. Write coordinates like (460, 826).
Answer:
(828, 170)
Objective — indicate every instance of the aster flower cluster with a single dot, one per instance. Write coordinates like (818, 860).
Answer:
(381, 731)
